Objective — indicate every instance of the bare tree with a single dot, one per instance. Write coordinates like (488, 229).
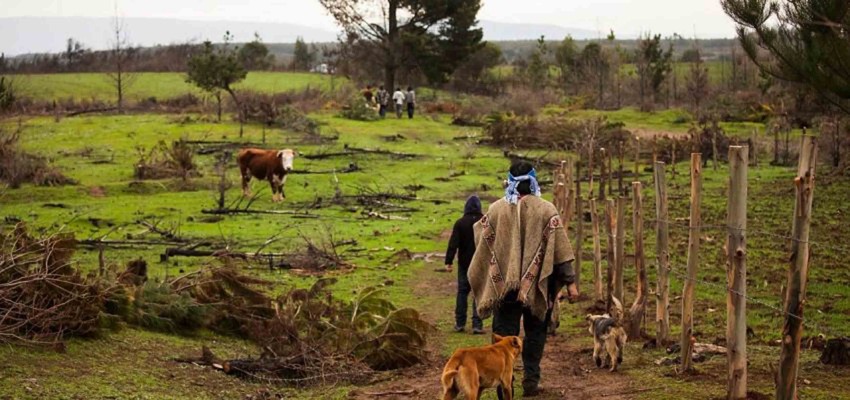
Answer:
(120, 57)
(697, 83)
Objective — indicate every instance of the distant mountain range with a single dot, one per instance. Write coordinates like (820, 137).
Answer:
(23, 35)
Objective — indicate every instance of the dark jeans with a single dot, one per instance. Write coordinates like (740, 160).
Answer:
(506, 323)
(463, 291)
(410, 108)
(382, 110)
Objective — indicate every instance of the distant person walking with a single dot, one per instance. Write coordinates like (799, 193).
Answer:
(398, 99)
(383, 101)
(410, 98)
(462, 243)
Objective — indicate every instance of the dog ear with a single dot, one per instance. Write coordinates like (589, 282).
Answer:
(516, 342)
(497, 338)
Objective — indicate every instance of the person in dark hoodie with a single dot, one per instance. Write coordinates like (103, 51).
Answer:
(462, 243)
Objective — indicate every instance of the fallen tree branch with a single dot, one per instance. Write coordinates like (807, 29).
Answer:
(391, 393)
(228, 211)
(169, 235)
(90, 111)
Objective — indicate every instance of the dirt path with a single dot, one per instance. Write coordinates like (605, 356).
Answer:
(568, 372)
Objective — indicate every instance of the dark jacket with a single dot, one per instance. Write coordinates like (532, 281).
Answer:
(462, 241)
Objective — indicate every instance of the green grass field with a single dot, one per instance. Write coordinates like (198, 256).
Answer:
(100, 151)
(161, 85)
(719, 72)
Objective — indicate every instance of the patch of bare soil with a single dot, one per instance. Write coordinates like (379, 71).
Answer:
(568, 373)
(567, 368)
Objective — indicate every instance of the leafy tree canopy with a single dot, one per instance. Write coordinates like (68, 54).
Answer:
(433, 36)
(808, 42)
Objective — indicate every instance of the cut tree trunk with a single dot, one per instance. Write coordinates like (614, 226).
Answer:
(798, 274)
(620, 257)
(662, 254)
(579, 240)
(638, 309)
(597, 254)
(611, 228)
(736, 275)
(693, 261)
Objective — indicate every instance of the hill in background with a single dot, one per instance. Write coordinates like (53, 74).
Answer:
(24, 35)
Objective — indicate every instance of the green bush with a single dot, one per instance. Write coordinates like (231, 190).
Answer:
(358, 110)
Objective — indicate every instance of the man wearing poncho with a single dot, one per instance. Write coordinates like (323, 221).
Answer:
(522, 260)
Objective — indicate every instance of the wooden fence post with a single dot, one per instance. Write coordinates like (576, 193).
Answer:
(597, 253)
(736, 275)
(602, 175)
(620, 248)
(570, 195)
(621, 154)
(693, 262)
(611, 228)
(795, 297)
(610, 171)
(638, 309)
(637, 157)
(579, 210)
(662, 255)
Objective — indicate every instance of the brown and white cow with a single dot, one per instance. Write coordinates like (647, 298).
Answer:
(272, 165)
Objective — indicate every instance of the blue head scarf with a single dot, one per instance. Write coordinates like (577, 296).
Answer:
(511, 192)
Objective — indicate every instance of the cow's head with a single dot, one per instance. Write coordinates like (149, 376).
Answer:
(286, 156)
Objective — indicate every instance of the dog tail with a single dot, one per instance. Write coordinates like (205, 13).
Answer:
(616, 310)
(448, 379)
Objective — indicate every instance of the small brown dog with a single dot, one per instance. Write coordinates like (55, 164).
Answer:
(474, 369)
(608, 334)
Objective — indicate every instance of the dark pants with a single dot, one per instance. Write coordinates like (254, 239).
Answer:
(382, 110)
(410, 108)
(506, 323)
(463, 291)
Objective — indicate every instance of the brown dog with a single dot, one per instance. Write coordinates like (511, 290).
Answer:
(472, 370)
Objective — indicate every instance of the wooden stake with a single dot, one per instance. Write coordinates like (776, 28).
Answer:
(611, 228)
(597, 253)
(637, 157)
(620, 177)
(590, 166)
(638, 309)
(662, 254)
(611, 171)
(620, 256)
(602, 175)
(693, 261)
(569, 194)
(579, 229)
(795, 298)
(736, 275)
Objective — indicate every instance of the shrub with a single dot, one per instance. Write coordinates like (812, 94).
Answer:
(7, 94)
(18, 167)
(358, 110)
(163, 161)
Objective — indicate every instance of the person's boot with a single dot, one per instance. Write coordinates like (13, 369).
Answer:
(458, 329)
(478, 331)
(531, 389)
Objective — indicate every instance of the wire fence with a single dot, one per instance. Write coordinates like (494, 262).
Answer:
(723, 288)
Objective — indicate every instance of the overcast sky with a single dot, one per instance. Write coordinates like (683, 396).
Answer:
(627, 17)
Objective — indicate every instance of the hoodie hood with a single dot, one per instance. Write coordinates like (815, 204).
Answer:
(473, 205)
